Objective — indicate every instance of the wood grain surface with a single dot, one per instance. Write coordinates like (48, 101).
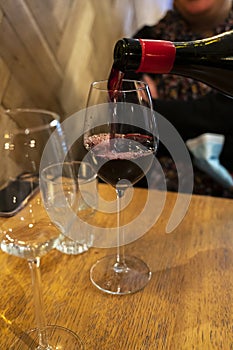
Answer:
(188, 303)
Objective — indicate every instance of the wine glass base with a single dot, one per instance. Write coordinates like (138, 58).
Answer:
(106, 275)
(57, 338)
(70, 247)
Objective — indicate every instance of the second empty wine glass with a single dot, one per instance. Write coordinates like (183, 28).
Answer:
(69, 192)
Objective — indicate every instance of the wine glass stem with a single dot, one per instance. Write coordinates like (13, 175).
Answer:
(34, 265)
(120, 264)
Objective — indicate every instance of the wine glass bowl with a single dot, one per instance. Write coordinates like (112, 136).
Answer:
(26, 230)
(69, 192)
(22, 237)
(121, 137)
(24, 133)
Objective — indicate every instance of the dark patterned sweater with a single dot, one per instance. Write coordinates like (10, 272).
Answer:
(191, 106)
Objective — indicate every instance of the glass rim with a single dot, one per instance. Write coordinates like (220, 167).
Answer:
(27, 130)
(105, 89)
(80, 179)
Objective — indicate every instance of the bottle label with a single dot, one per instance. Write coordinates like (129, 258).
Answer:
(157, 56)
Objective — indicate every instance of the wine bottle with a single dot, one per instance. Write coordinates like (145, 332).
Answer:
(208, 60)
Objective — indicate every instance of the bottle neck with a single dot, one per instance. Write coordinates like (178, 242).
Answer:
(141, 55)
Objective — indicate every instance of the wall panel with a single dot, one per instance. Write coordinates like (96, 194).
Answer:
(51, 50)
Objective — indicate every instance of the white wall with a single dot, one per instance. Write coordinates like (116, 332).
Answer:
(94, 30)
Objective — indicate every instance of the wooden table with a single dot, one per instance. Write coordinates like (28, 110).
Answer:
(188, 304)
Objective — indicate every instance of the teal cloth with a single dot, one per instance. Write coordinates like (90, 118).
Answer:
(206, 150)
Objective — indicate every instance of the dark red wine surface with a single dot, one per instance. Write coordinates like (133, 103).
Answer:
(124, 157)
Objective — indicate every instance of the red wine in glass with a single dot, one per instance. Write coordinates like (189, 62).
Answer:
(115, 162)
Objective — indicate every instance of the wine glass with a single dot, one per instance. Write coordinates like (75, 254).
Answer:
(70, 199)
(121, 137)
(26, 230)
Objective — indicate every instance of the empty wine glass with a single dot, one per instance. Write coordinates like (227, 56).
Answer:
(121, 137)
(70, 198)
(26, 231)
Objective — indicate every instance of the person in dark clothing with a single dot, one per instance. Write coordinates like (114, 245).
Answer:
(192, 107)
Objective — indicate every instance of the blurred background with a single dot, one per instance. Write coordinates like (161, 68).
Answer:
(51, 50)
